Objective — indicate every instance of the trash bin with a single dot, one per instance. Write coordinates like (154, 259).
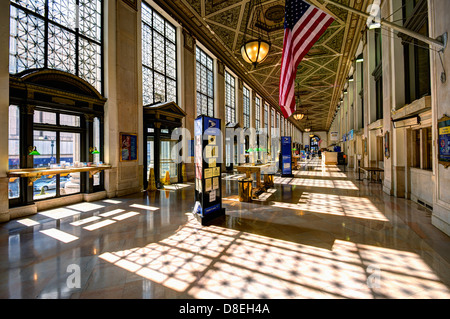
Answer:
(245, 189)
(268, 180)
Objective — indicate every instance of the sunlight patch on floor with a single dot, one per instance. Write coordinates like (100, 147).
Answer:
(216, 262)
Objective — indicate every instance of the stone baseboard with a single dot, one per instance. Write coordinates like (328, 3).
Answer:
(440, 224)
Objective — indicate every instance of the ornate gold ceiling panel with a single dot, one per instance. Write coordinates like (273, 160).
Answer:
(322, 73)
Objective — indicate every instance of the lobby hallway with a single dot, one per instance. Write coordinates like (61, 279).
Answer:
(319, 234)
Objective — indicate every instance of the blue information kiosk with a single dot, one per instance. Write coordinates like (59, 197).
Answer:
(207, 161)
(286, 156)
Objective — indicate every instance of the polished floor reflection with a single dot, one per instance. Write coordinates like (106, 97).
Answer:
(319, 234)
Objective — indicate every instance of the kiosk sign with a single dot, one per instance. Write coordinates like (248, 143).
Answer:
(286, 156)
(208, 186)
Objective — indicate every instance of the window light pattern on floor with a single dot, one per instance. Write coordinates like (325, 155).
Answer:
(349, 206)
(215, 262)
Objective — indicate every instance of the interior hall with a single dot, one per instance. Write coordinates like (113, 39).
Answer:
(224, 149)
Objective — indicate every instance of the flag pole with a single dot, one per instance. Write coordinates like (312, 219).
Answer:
(440, 42)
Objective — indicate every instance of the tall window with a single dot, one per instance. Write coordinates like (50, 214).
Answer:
(266, 115)
(14, 149)
(278, 122)
(246, 107)
(417, 54)
(57, 34)
(230, 98)
(272, 119)
(361, 93)
(205, 83)
(258, 113)
(159, 62)
(378, 75)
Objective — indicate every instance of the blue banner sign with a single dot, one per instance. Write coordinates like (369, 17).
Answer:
(286, 155)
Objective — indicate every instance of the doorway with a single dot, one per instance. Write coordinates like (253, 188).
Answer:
(164, 162)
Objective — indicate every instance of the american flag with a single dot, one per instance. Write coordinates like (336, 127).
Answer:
(303, 26)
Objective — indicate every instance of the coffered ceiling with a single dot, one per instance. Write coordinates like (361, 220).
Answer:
(322, 73)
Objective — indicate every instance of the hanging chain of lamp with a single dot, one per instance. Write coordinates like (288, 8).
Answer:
(255, 49)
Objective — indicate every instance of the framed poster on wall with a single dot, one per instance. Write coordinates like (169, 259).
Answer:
(387, 149)
(444, 141)
(128, 147)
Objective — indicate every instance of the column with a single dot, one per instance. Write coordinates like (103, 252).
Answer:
(4, 109)
(189, 91)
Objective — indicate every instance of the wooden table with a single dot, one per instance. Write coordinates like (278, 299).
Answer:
(371, 170)
(295, 159)
(34, 174)
(252, 169)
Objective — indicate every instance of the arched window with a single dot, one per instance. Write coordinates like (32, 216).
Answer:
(59, 118)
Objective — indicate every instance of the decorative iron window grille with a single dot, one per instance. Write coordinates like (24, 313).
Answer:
(55, 34)
(205, 83)
(159, 60)
(230, 98)
(246, 107)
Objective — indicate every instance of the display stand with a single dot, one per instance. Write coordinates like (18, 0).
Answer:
(286, 156)
(208, 186)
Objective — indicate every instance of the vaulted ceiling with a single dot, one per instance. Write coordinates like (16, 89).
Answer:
(322, 73)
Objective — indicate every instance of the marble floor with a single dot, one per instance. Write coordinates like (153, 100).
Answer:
(319, 234)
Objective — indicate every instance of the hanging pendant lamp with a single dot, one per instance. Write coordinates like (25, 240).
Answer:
(255, 49)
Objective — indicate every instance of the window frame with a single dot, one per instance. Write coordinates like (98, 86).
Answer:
(209, 72)
(152, 68)
(230, 100)
(246, 106)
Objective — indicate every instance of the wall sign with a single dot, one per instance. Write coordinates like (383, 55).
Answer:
(128, 147)
(444, 141)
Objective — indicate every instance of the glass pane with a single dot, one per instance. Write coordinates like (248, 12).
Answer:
(158, 22)
(170, 32)
(69, 120)
(44, 141)
(63, 12)
(150, 156)
(159, 52)
(70, 153)
(147, 45)
(90, 63)
(146, 14)
(37, 6)
(147, 85)
(26, 45)
(166, 162)
(44, 187)
(42, 117)
(90, 18)
(14, 153)
(97, 146)
(61, 49)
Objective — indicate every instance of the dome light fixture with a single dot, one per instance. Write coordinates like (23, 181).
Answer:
(256, 49)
